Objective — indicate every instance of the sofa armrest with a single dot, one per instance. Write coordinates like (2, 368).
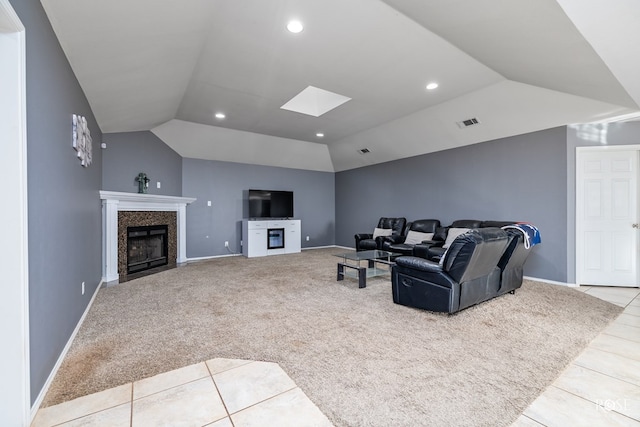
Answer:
(380, 241)
(420, 264)
(432, 243)
(362, 236)
(384, 242)
(427, 271)
(422, 249)
(394, 239)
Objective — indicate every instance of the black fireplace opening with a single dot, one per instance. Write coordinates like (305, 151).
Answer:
(275, 238)
(147, 247)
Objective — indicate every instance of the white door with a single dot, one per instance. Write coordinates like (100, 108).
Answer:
(14, 304)
(607, 217)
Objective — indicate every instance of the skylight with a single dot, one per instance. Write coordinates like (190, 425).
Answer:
(314, 101)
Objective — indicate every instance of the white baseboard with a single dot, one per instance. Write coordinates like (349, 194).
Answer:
(346, 247)
(65, 350)
(204, 258)
(552, 282)
(329, 246)
(322, 247)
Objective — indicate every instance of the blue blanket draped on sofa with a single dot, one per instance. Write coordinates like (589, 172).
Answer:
(530, 232)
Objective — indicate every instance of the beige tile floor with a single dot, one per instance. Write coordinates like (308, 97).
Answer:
(602, 385)
(215, 393)
(600, 388)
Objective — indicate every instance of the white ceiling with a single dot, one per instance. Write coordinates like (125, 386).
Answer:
(518, 66)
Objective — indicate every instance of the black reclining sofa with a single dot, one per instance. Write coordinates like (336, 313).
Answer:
(511, 264)
(467, 274)
(444, 236)
(415, 232)
(509, 268)
(367, 241)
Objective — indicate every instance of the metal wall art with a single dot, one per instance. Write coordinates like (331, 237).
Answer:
(82, 140)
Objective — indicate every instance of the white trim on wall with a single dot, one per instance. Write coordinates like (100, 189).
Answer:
(15, 393)
(551, 282)
(206, 258)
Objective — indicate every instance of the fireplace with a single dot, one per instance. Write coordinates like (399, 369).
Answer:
(132, 225)
(123, 210)
(147, 247)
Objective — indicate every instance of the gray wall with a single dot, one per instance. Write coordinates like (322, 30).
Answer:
(225, 184)
(591, 135)
(520, 178)
(129, 153)
(64, 205)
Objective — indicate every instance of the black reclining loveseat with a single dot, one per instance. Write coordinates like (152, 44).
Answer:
(368, 241)
(480, 264)
(415, 232)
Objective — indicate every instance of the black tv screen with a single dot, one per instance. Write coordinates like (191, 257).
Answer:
(270, 204)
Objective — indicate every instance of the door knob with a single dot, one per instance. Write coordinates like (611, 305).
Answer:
(635, 225)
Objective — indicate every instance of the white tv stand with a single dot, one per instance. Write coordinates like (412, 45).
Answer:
(262, 237)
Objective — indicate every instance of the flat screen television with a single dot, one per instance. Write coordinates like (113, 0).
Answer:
(270, 204)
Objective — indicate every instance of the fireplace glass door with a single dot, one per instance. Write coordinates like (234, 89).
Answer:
(146, 247)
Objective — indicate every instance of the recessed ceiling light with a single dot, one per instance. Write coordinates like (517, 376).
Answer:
(432, 86)
(320, 135)
(220, 116)
(295, 26)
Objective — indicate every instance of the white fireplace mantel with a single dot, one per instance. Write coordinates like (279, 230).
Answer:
(114, 201)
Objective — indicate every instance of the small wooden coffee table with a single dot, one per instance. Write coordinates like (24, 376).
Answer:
(352, 261)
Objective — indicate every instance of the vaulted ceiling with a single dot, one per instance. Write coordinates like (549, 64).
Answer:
(517, 66)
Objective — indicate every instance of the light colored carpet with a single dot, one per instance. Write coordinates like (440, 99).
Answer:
(362, 359)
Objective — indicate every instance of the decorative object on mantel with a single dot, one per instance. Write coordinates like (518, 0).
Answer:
(143, 183)
(82, 140)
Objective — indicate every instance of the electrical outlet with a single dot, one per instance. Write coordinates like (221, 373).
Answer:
(82, 288)
(158, 184)
(208, 202)
(240, 242)
(307, 238)
(226, 244)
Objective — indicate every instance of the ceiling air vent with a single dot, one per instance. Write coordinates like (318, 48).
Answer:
(364, 151)
(469, 122)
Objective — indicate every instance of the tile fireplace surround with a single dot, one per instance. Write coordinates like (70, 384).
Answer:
(114, 202)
